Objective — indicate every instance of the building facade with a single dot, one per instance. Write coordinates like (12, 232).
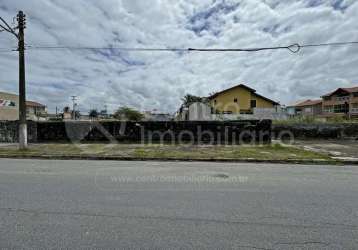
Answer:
(9, 108)
(306, 108)
(341, 102)
(239, 99)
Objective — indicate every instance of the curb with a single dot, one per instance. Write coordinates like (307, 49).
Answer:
(224, 160)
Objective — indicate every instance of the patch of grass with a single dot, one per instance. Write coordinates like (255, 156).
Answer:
(156, 151)
(314, 120)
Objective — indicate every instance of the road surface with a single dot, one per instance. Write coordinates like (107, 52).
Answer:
(152, 205)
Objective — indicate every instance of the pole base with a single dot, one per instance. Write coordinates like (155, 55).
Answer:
(23, 136)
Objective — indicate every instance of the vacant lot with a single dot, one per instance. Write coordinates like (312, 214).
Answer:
(175, 152)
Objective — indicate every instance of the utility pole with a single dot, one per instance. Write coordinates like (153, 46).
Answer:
(22, 87)
(21, 20)
(74, 98)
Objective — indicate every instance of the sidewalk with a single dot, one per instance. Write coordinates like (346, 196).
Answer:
(345, 150)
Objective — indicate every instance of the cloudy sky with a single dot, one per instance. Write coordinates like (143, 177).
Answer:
(157, 80)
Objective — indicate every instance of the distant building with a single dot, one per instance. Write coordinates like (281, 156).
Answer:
(157, 116)
(9, 108)
(239, 99)
(305, 108)
(341, 102)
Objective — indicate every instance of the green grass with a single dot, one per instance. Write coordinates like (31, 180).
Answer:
(314, 120)
(156, 151)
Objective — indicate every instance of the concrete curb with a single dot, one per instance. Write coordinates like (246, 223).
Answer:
(121, 158)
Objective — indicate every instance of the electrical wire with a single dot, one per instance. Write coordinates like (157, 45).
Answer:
(328, 44)
(294, 48)
(103, 48)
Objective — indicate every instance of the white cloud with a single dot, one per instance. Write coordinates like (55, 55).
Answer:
(148, 80)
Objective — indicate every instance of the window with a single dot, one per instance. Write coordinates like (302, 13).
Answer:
(328, 109)
(308, 110)
(327, 98)
(215, 102)
(253, 103)
(341, 108)
(235, 100)
(354, 108)
(355, 94)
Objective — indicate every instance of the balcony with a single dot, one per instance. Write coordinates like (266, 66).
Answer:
(342, 99)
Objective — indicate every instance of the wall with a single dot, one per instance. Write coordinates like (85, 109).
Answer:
(9, 131)
(9, 113)
(260, 102)
(258, 114)
(318, 131)
(199, 112)
(135, 131)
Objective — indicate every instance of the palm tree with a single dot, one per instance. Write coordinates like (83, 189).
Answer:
(189, 99)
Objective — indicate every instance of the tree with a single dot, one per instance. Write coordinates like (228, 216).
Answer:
(189, 99)
(66, 109)
(77, 114)
(128, 114)
(93, 113)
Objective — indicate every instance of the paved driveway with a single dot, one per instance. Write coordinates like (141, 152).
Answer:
(151, 205)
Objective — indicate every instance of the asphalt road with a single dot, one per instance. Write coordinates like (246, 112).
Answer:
(151, 205)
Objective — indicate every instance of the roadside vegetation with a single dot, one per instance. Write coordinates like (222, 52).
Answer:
(276, 152)
(129, 114)
(314, 120)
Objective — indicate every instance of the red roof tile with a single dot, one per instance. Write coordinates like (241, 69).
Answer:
(307, 103)
(34, 104)
(348, 90)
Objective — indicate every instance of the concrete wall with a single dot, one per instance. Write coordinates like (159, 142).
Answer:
(259, 114)
(199, 112)
(9, 131)
(318, 131)
(136, 131)
(9, 107)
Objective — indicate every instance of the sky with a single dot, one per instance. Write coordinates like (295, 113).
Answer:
(158, 80)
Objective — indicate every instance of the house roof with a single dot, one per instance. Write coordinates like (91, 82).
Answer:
(347, 90)
(253, 91)
(236, 86)
(307, 103)
(6, 93)
(295, 104)
(34, 104)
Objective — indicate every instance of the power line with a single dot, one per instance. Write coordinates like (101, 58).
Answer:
(294, 48)
(328, 44)
(103, 48)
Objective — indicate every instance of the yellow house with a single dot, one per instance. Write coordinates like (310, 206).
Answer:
(239, 99)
